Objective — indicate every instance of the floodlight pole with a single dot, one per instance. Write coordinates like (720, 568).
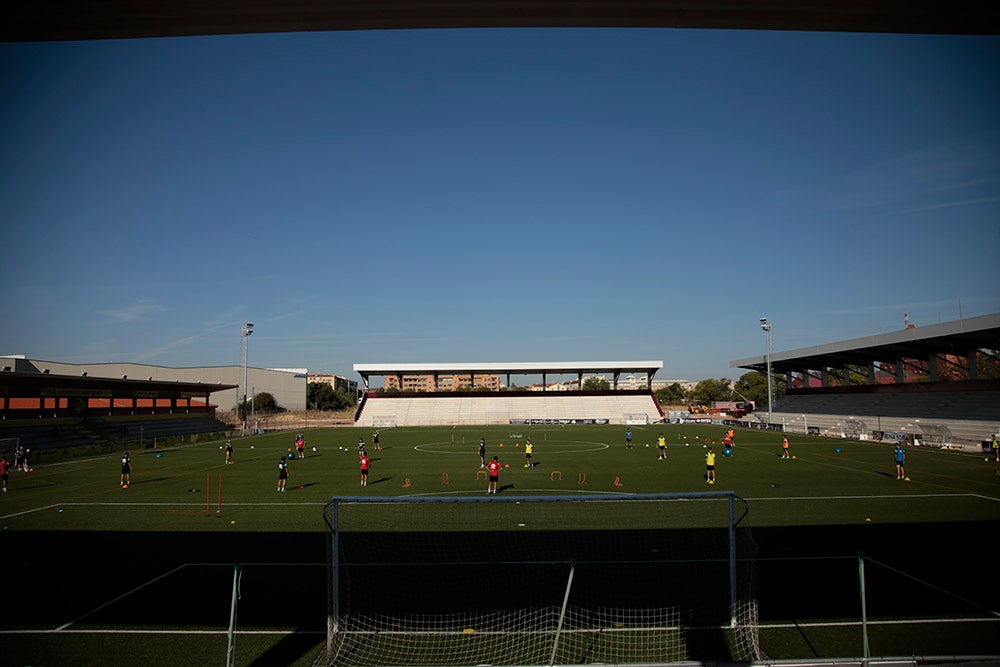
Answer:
(245, 331)
(766, 326)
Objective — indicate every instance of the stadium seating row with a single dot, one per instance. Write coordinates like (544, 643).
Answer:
(459, 410)
(64, 434)
(974, 405)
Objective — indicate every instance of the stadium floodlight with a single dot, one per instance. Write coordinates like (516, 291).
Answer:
(245, 331)
(766, 326)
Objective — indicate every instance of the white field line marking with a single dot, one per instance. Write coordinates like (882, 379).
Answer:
(425, 447)
(466, 492)
(766, 626)
(476, 494)
(48, 507)
(122, 596)
(224, 505)
(37, 509)
(878, 497)
(902, 621)
(161, 632)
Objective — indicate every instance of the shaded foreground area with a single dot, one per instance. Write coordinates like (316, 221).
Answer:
(804, 576)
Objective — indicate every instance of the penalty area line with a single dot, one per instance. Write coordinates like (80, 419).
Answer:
(909, 496)
(102, 504)
(121, 597)
(93, 631)
(37, 509)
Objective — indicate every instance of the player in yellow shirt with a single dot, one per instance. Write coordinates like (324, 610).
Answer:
(661, 443)
(529, 462)
(710, 466)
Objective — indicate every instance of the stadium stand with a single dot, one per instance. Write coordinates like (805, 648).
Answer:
(933, 385)
(43, 435)
(40, 437)
(933, 411)
(507, 407)
(161, 427)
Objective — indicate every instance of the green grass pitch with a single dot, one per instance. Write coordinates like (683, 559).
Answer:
(828, 481)
(87, 557)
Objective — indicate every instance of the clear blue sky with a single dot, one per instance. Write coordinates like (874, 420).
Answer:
(493, 195)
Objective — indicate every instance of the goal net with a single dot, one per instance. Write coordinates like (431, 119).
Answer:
(566, 580)
(9, 445)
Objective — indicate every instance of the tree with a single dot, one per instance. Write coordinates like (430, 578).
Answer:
(710, 390)
(595, 383)
(321, 396)
(753, 386)
(672, 395)
(343, 399)
(264, 403)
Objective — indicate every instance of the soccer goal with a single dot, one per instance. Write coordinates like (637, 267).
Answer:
(567, 580)
(384, 422)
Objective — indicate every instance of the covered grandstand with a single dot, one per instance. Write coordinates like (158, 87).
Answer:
(381, 409)
(930, 385)
(40, 410)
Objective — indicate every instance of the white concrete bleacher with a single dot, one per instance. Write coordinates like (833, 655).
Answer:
(445, 410)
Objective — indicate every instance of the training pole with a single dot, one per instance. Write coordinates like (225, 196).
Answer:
(218, 510)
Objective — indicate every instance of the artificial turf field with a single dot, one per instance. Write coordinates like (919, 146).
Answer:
(100, 575)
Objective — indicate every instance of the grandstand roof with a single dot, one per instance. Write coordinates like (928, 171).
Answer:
(503, 368)
(51, 20)
(949, 338)
(15, 384)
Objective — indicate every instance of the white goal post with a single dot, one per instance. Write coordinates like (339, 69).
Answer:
(538, 580)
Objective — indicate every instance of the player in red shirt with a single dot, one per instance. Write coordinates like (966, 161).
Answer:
(4, 472)
(300, 446)
(365, 462)
(493, 467)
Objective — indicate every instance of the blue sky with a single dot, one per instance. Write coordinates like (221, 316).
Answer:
(493, 195)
